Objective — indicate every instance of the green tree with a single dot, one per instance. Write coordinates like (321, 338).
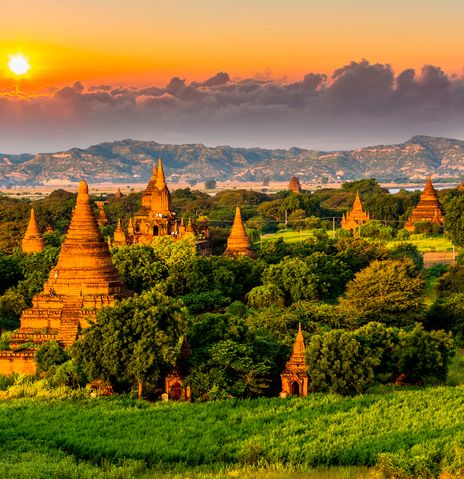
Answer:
(49, 355)
(386, 291)
(139, 266)
(10, 272)
(339, 363)
(454, 220)
(134, 341)
(265, 296)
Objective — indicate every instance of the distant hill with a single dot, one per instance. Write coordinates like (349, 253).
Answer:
(131, 161)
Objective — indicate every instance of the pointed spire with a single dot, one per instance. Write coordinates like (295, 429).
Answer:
(119, 235)
(84, 264)
(238, 243)
(160, 179)
(33, 241)
(299, 346)
(146, 198)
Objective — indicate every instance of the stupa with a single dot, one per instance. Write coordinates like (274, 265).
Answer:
(238, 243)
(356, 217)
(295, 376)
(294, 185)
(83, 281)
(33, 241)
(102, 220)
(157, 218)
(428, 210)
(119, 235)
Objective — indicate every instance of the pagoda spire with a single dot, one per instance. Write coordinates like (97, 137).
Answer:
(33, 241)
(146, 198)
(84, 264)
(238, 243)
(160, 178)
(299, 345)
(119, 235)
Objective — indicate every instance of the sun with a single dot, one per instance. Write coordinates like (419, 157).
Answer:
(19, 64)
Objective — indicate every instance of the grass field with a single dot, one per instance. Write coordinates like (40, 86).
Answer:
(420, 431)
(423, 242)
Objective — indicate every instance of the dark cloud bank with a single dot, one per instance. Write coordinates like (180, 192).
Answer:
(360, 104)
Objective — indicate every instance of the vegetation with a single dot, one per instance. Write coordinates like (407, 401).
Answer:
(415, 432)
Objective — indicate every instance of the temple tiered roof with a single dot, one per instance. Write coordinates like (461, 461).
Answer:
(356, 217)
(238, 243)
(33, 241)
(428, 210)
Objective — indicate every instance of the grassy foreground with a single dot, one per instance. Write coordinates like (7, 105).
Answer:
(415, 433)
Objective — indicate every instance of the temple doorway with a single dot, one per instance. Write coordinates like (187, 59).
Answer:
(176, 391)
(155, 230)
(295, 389)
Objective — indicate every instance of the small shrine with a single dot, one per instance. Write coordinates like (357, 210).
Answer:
(102, 220)
(294, 185)
(295, 378)
(356, 217)
(119, 238)
(174, 386)
(428, 210)
(33, 241)
(238, 243)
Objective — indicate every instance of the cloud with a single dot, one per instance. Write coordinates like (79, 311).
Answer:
(360, 103)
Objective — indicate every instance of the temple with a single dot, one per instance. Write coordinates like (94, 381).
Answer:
(119, 238)
(157, 218)
(295, 376)
(428, 210)
(102, 220)
(238, 243)
(83, 280)
(33, 241)
(356, 217)
(174, 386)
(294, 185)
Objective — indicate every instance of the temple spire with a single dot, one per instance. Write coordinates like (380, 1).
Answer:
(299, 346)
(146, 198)
(33, 241)
(160, 179)
(238, 243)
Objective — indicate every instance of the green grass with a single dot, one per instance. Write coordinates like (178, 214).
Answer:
(262, 438)
(426, 243)
(289, 235)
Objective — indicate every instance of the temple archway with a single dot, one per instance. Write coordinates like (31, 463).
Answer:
(176, 391)
(295, 388)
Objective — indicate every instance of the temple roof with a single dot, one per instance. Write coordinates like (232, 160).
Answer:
(160, 178)
(84, 264)
(33, 241)
(238, 243)
(146, 198)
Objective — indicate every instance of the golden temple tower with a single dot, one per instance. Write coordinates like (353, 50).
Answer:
(33, 241)
(295, 377)
(102, 220)
(294, 185)
(83, 280)
(119, 235)
(146, 198)
(238, 243)
(428, 210)
(356, 217)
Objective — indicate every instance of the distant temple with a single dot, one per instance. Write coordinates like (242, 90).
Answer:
(157, 218)
(33, 241)
(238, 243)
(294, 185)
(428, 210)
(295, 378)
(83, 281)
(356, 217)
(102, 220)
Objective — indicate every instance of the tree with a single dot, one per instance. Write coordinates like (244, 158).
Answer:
(139, 266)
(210, 184)
(454, 220)
(339, 363)
(402, 251)
(265, 296)
(448, 313)
(10, 272)
(132, 342)
(386, 291)
(49, 355)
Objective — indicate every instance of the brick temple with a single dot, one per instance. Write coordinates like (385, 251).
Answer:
(294, 185)
(83, 280)
(33, 241)
(356, 217)
(428, 210)
(238, 243)
(157, 218)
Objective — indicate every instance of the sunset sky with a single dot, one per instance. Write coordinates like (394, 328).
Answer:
(145, 43)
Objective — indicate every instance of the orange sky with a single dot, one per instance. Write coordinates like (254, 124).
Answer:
(148, 41)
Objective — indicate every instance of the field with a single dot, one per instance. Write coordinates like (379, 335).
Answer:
(418, 432)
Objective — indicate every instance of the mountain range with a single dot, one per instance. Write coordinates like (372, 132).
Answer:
(131, 161)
